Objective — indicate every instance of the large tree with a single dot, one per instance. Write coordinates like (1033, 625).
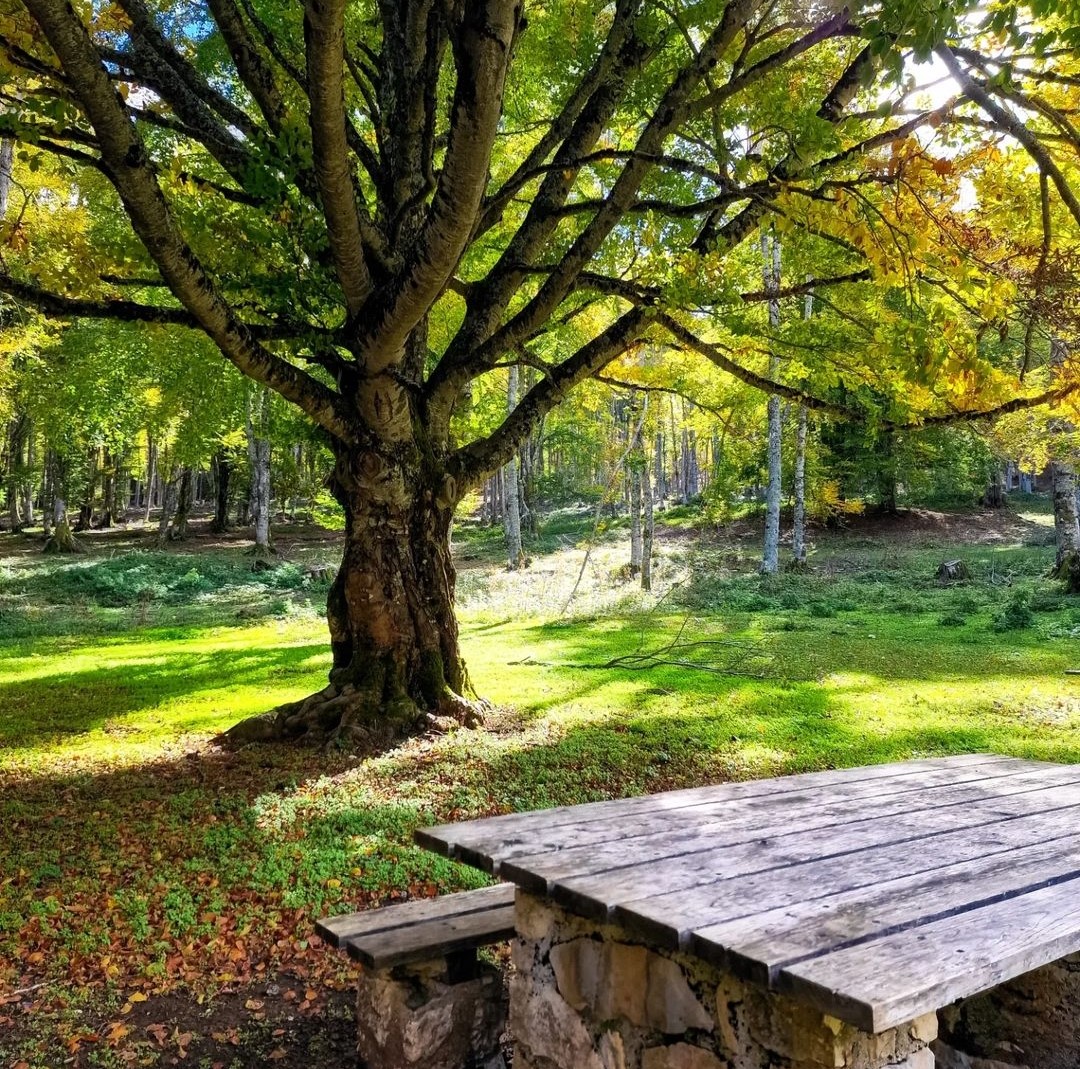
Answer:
(368, 204)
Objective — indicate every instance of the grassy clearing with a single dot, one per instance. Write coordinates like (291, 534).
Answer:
(139, 861)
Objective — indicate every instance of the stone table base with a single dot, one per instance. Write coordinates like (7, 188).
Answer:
(415, 1018)
(588, 996)
(1032, 1022)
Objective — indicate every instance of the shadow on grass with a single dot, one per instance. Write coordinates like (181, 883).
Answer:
(82, 700)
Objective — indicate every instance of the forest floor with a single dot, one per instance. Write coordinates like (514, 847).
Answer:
(157, 895)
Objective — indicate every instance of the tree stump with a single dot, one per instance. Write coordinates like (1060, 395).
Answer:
(953, 571)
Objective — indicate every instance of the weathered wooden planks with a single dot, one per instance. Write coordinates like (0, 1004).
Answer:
(446, 838)
(509, 850)
(876, 894)
(785, 894)
(886, 981)
(435, 939)
(540, 870)
(338, 930)
(424, 929)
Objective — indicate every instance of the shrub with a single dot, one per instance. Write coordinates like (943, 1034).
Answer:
(1015, 614)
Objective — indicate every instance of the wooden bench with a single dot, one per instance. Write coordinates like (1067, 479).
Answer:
(425, 1001)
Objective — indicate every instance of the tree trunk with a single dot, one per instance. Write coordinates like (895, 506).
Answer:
(798, 527)
(1067, 526)
(770, 558)
(61, 540)
(16, 430)
(994, 495)
(649, 526)
(258, 445)
(27, 484)
(180, 527)
(151, 476)
(222, 476)
(108, 489)
(168, 504)
(515, 558)
(394, 636)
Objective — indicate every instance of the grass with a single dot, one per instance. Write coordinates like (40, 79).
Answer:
(139, 860)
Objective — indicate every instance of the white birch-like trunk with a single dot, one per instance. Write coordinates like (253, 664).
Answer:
(7, 161)
(151, 477)
(770, 559)
(511, 494)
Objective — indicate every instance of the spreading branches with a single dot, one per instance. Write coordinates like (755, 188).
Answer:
(1013, 126)
(324, 34)
(129, 168)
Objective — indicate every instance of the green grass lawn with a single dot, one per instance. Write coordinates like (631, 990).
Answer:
(139, 859)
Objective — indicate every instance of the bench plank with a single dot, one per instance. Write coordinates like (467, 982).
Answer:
(432, 939)
(420, 911)
(919, 970)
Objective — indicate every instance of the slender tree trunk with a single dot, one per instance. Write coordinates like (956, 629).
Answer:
(1066, 526)
(259, 461)
(29, 469)
(7, 159)
(48, 490)
(649, 527)
(151, 476)
(770, 559)
(16, 433)
(515, 558)
(798, 527)
(108, 489)
(169, 491)
(180, 527)
(222, 477)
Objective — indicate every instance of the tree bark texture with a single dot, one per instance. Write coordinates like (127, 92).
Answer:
(515, 558)
(1066, 526)
(258, 444)
(770, 558)
(222, 485)
(393, 633)
(798, 525)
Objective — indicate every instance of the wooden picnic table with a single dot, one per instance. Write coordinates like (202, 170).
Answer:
(874, 896)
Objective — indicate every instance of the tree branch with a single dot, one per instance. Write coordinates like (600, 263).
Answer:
(324, 34)
(129, 168)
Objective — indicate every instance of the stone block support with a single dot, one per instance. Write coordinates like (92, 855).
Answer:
(591, 996)
(417, 1017)
(1032, 1022)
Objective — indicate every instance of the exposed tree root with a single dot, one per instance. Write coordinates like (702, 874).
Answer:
(347, 717)
(62, 540)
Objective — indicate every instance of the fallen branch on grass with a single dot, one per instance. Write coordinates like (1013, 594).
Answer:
(670, 655)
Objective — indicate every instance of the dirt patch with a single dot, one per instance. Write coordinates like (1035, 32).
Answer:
(254, 1027)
